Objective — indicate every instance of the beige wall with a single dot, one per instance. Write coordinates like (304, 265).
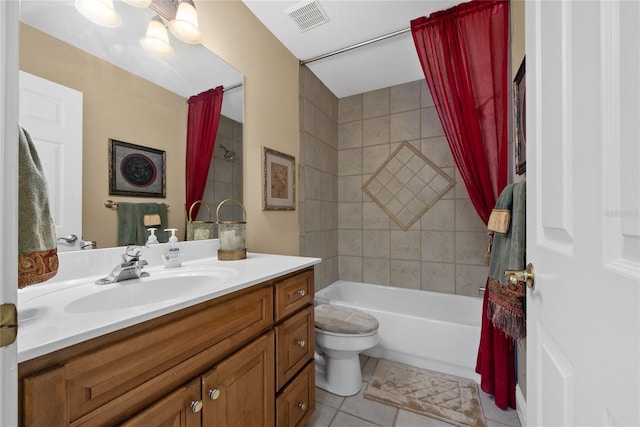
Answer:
(270, 109)
(117, 105)
(319, 234)
(517, 34)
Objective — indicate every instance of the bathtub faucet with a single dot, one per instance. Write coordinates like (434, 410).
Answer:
(129, 268)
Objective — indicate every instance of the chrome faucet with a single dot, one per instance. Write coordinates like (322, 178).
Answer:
(129, 268)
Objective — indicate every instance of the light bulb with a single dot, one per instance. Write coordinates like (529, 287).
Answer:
(138, 3)
(185, 25)
(156, 40)
(99, 12)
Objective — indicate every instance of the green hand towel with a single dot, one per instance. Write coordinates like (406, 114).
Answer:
(131, 228)
(37, 242)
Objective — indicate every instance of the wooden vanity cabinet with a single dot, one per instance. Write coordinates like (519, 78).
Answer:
(237, 392)
(213, 364)
(295, 343)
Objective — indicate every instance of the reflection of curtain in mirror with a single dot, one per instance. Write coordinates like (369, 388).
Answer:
(202, 127)
(463, 52)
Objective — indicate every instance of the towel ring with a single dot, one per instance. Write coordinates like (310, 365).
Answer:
(112, 205)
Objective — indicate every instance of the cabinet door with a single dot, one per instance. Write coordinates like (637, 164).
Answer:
(297, 401)
(180, 408)
(294, 345)
(240, 390)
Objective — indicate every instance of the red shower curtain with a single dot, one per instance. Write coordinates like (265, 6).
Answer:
(463, 52)
(202, 127)
(464, 55)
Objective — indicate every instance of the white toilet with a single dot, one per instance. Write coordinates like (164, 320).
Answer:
(341, 333)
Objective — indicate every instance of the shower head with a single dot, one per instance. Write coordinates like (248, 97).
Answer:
(228, 154)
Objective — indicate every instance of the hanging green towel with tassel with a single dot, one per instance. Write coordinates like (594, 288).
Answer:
(37, 243)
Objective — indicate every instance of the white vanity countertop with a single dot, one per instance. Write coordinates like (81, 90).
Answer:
(51, 315)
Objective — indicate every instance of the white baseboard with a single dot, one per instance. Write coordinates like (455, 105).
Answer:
(521, 406)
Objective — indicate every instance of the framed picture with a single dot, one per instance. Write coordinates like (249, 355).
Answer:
(279, 185)
(135, 170)
(520, 119)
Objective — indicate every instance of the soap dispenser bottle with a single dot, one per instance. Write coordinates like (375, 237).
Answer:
(152, 239)
(172, 256)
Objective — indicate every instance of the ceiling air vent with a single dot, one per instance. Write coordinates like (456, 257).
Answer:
(307, 15)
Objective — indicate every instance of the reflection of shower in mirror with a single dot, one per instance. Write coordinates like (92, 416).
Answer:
(228, 154)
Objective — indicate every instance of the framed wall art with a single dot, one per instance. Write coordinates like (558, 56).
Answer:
(135, 170)
(520, 120)
(278, 183)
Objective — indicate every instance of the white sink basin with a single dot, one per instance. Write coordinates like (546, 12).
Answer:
(157, 288)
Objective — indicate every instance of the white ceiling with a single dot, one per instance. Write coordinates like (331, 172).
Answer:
(382, 64)
(378, 65)
(193, 68)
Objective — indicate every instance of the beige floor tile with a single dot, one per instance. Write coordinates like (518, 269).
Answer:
(343, 419)
(368, 409)
(357, 411)
(411, 419)
(493, 413)
(322, 416)
(328, 399)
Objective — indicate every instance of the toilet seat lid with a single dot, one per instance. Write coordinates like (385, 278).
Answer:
(344, 320)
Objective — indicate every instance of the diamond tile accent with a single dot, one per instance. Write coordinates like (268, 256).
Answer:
(407, 185)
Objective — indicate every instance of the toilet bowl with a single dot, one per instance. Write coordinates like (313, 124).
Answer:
(341, 334)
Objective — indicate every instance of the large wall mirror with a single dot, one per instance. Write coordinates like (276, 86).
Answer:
(129, 95)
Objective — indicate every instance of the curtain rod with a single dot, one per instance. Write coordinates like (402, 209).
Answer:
(355, 46)
(235, 86)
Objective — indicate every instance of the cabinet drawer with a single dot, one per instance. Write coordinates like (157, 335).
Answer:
(103, 378)
(293, 293)
(298, 400)
(179, 408)
(294, 345)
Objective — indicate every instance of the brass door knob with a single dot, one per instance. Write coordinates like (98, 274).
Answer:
(196, 406)
(213, 394)
(527, 276)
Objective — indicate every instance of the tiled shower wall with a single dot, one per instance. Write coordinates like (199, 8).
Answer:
(225, 177)
(444, 250)
(343, 143)
(318, 171)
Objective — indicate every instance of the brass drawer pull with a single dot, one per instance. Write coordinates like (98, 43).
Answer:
(196, 406)
(301, 343)
(213, 394)
(301, 292)
(302, 406)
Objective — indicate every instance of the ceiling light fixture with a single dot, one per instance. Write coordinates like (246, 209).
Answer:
(99, 12)
(185, 24)
(156, 40)
(138, 3)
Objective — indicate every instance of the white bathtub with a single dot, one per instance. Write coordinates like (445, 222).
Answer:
(428, 330)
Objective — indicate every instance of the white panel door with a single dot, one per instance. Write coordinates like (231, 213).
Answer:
(583, 212)
(52, 114)
(9, 12)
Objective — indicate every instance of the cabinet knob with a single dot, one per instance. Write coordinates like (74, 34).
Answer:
(213, 394)
(196, 406)
(301, 343)
(302, 406)
(301, 292)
